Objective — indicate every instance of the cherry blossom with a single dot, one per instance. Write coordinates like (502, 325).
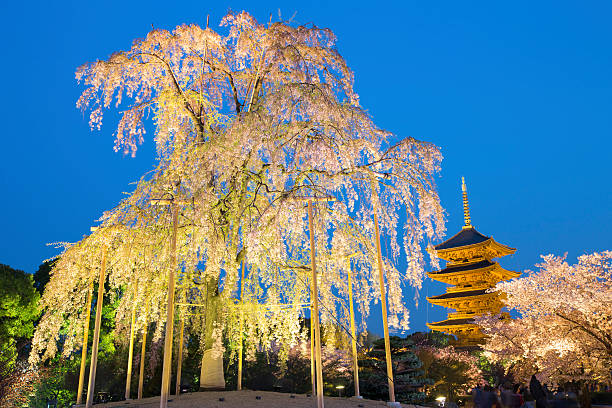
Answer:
(248, 122)
(564, 329)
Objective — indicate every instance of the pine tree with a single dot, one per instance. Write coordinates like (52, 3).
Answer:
(408, 376)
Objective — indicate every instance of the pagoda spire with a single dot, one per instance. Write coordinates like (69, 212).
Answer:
(466, 206)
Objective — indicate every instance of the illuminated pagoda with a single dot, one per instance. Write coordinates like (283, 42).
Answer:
(471, 270)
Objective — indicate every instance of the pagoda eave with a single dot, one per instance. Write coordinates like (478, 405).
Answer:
(451, 299)
(468, 274)
(452, 322)
(486, 249)
(503, 249)
(454, 328)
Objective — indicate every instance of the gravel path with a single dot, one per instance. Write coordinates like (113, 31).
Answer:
(247, 399)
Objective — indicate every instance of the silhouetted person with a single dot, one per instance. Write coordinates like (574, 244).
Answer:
(505, 396)
(517, 396)
(538, 393)
(489, 399)
(478, 397)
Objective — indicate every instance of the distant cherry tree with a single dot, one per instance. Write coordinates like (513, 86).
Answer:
(564, 329)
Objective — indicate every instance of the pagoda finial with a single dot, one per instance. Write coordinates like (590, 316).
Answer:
(466, 206)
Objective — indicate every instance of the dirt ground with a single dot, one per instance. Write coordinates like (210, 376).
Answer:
(247, 399)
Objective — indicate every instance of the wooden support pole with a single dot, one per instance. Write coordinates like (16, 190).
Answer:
(312, 353)
(383, 299)
(85, 338)
(315, 306)
(167, 367)
(96, 339)
(128, 380)
(143, 349)
(179, 363)
(353, 338)
(239, 386)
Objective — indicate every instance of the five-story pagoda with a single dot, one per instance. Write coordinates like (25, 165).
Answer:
(471, 270)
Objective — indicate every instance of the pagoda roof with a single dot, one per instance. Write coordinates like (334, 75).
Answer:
(471, 244)
(452, 295)
(453, 322)
(467, 236)
(465, 267)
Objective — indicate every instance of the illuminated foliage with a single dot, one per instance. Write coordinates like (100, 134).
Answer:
(18, 313)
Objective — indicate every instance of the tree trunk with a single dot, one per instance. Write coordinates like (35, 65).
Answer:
(585, 396)
(211, 372)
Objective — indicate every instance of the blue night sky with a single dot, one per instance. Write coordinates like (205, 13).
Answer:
(518, 95)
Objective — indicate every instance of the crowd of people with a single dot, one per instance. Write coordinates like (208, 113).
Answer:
(534, 395)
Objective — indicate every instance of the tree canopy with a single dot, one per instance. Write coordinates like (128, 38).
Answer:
(248, 123)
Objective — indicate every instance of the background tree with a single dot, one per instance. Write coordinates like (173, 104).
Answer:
(52, 385)
(296, 373)
(493, 371)
(43, 274)
(268, 370)
(453, 372)
(18, 314)
(564, 328)
(409, 378)
(431, 339)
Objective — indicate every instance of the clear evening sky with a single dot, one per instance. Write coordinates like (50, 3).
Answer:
(518, 95)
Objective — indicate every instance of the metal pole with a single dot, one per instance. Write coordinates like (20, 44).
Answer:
(353, 338)
(239, 387)
(383, 301)
(167, 368)
(142, 360)
(315, 317)
(180, 359)
(128, 381)
(96, 339)
(85, 337)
